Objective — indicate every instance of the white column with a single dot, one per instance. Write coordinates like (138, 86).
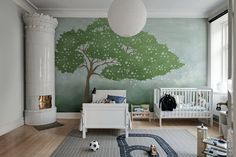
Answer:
(39, 67)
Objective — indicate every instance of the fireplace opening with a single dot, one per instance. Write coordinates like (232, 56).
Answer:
(45, 101)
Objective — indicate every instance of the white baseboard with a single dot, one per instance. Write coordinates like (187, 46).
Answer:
(68, 115)
(11, 126)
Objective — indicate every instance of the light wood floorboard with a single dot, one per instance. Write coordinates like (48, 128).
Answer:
(26, 141)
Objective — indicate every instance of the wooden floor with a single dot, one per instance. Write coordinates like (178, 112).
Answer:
(29, 142)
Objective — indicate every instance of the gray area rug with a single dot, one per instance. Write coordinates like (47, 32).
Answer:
(181, 141)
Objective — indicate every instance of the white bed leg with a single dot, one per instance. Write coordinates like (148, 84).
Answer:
(154, 111)
(126, 133)
(84, 133)
(211, 121)
(84, 130)
(160, 121)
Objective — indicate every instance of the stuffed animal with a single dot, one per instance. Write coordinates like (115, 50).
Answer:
(201, 101)
(153, 150)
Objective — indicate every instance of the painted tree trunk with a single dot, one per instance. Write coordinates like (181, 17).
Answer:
(86, 90)
(87, 94)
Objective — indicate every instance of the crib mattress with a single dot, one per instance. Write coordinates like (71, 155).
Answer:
(191, 108)
(185, 115)
(186, 112)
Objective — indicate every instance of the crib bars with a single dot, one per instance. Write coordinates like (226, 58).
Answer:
(191, 103)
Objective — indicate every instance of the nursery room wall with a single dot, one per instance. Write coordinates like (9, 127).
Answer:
(11, 67)
(169, 52)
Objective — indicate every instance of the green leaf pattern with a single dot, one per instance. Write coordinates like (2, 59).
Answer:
(139, 58)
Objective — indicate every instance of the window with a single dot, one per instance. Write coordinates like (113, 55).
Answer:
(219, 54)
(225, 51)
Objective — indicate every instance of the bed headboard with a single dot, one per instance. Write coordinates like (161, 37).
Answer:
(102, 94)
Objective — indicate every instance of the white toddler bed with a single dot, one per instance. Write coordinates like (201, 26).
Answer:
(191, 103)
(105, 115)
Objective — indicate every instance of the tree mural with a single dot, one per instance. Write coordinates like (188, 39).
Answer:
(101, 52)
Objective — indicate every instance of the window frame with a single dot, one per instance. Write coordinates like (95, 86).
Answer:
(219, 84)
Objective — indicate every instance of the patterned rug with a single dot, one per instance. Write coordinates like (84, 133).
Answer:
(169, 143)
(126, 149)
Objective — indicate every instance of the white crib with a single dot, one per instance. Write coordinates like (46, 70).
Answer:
(191, 103)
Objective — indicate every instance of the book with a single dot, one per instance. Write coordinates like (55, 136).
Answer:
(219, 143)
(138, 109)
(213, 151)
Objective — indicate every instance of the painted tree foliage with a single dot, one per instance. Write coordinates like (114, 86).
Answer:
(101, 52)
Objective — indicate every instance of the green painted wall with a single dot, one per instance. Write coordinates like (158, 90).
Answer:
(168, 53)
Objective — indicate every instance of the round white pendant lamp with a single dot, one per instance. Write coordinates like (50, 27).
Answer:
(127, 17)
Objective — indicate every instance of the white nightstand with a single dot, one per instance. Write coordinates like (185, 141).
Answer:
(140, 112)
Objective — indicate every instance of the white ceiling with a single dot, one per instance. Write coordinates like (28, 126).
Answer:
(155, 8)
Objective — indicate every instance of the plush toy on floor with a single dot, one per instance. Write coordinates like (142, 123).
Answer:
(153, 150)
(94, 145)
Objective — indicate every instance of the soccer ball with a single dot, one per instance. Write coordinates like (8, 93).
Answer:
(94, 145)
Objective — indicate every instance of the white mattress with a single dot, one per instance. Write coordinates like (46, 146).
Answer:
(189, 107)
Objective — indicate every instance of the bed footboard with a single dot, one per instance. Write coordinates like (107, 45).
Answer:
(108, 116)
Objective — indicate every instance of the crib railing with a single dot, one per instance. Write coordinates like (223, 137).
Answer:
(186, 98)
(191, 103)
